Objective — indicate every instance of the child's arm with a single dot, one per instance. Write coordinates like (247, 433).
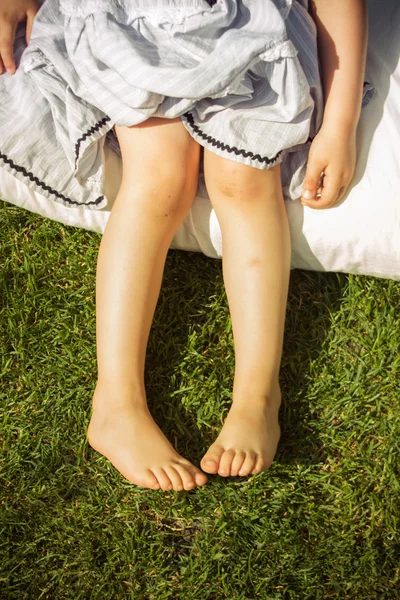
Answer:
(13, 12)
(342, 27)
(342, 44)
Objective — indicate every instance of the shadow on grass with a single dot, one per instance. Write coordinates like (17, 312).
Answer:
(190, 280)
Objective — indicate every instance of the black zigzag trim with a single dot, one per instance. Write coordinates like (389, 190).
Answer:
(41, 184)
(90, 131)
(223, 146)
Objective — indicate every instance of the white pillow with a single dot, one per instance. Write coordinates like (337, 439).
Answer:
(360, 235)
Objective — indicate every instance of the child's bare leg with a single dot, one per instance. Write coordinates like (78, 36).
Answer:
(256, 264)
(160, 175)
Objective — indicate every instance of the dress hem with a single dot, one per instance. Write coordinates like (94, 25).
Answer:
(200, 136)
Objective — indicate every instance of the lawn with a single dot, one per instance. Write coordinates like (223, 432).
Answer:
(323, 522)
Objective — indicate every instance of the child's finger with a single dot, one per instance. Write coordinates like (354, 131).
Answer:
(329, 193)
(29, 23)
(7, 35)
(312, 180)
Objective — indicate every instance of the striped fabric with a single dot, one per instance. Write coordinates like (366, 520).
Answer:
(243, 75)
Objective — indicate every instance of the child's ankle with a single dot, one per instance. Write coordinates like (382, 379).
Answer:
(250, 390)
(112, 392)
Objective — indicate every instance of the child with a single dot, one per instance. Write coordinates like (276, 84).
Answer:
(239, 78)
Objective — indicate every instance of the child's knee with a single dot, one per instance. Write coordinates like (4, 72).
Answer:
(175, 180)
(161, 161)
(235, 180)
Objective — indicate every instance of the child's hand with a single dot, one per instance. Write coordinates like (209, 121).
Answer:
(13, 12)
(333, 153)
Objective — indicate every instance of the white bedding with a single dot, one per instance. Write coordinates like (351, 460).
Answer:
(359, 235)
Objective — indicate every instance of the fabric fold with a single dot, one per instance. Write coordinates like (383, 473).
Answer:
(243, 76)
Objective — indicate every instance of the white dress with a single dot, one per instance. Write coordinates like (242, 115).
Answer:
(243, 76)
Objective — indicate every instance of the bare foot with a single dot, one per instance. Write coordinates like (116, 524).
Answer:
(123, 430)
(248, 439)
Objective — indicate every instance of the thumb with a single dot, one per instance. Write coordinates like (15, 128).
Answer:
(312, 180)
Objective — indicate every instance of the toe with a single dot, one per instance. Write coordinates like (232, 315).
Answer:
(150, 480)
(226, 462)
(248, 464)
(259, 466)
(200, 478)
(163, 479)
(175, 478)
(237, 462)
(210, 461)
(187, 477)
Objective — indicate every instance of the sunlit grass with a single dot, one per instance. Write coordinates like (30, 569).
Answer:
(323, 522)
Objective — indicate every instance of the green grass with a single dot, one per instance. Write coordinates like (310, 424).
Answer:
(323, 522)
